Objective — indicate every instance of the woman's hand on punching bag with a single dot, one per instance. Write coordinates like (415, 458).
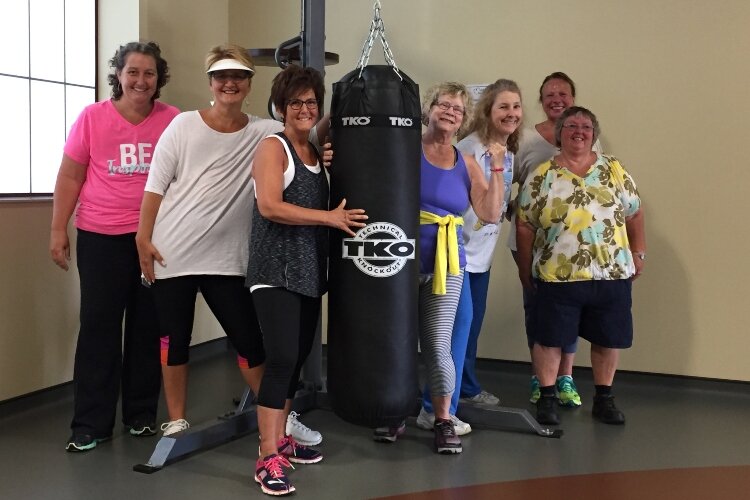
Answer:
(346, 218)
(327, 153)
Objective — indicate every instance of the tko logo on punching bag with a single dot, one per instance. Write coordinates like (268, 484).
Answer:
(388, 121)
(355, 120)
(397, 121)
(379, 249)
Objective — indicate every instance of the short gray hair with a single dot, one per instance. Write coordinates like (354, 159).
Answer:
(572, 111)
(453, 89)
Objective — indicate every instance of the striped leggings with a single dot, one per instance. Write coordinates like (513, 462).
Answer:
(436, 316)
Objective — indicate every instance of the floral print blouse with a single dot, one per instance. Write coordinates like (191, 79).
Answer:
(580, 221)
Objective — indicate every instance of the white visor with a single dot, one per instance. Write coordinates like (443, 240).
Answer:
(229, 64)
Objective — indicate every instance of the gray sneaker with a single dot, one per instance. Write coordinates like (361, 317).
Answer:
(174, 426)
(484, 398)
(426, 421)
(447, 441)
(300, 432)
(389, 434)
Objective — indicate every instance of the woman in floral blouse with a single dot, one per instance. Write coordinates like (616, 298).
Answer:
(581, 242)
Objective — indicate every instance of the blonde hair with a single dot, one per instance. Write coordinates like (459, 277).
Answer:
(454, 89)
(229, 51)
(482, 124)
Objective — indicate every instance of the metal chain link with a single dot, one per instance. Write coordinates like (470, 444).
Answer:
(377, 29)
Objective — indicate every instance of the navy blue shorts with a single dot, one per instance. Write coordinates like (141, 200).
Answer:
(596, 310)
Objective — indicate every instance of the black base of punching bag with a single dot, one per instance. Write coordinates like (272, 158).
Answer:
(373, 277)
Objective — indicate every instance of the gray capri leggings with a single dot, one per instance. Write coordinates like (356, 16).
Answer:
(436, 316)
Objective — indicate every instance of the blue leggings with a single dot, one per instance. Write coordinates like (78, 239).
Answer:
(478, 284)
(460, 335)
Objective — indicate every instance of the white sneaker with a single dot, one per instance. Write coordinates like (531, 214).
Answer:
(484, 398)
(300, 432)
(426, 421)
(175, 426)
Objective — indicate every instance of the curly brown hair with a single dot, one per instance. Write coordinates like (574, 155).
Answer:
(120, 58)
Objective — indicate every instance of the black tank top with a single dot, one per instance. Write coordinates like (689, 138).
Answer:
(294, 257)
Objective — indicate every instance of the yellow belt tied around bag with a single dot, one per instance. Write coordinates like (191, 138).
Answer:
(446, 251)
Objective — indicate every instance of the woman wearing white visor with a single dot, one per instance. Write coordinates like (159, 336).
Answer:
(195, 227)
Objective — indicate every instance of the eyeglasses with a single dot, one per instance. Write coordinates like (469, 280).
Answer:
(572, 127)
(235, 77)
(296, 104)
(445, 106)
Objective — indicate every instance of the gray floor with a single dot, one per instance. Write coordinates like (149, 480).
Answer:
(672, 423)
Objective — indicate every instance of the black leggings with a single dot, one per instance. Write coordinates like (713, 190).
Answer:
(105, 361)
(228, 300)
(288, 321)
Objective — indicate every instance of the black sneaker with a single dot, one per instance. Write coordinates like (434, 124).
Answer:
(605, 410)
(142, 427)
(270, 475)
(546, 414)
(83, 442)
(389, 434)
(447, 441)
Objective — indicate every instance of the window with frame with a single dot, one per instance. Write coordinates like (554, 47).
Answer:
(47, 76)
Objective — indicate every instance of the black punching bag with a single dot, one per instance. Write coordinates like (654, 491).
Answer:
(373, 277)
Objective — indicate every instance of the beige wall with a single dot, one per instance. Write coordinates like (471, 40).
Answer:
(664, 78)
(117, 24)
(185, 30)
(38, 304)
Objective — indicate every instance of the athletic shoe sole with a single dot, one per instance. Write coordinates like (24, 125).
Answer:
(296, 460)
(568, 404)
(74, 448)
(450, 450)
(143, 431)
(272, 492)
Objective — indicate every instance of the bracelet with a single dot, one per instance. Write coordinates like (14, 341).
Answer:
(496, 169)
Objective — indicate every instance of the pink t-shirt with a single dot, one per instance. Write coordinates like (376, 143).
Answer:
(118, 157)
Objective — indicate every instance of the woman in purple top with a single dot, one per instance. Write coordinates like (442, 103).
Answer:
(450, 182)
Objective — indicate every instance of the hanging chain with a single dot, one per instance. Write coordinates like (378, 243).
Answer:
(377, 29)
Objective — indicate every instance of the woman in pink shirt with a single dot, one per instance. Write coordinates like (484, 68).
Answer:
(104, 168)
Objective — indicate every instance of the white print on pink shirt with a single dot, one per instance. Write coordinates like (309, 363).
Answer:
(130, 162)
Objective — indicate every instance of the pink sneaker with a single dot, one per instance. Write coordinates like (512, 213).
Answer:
(269, 473)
